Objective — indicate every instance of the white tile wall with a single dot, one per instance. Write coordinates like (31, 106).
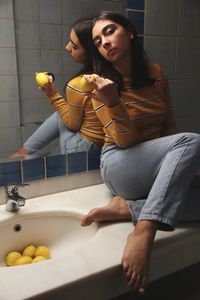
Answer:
(29, 61)
(28, 35)
(8, 88)
(10, 139)
(26, 10)
(9, 114)
(162, 49)
(172, 38)
(6, 9)
(8, 61)
(7, 37)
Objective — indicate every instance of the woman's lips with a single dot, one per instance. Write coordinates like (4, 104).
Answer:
(111, 52)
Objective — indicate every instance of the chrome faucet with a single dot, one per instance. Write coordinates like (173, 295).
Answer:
(13, 200)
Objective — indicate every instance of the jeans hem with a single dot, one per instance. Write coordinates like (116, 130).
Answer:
(164, 223)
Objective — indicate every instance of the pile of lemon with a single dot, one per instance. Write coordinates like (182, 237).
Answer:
(30, 254)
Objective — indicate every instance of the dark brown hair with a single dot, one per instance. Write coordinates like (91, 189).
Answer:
(139, 60)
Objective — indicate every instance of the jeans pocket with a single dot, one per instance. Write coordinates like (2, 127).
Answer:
(77, 143)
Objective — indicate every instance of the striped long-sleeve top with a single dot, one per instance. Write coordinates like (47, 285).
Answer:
(77, 112)
(143, 114)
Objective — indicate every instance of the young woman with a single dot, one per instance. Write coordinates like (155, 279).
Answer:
(74, 121)
(146, 166)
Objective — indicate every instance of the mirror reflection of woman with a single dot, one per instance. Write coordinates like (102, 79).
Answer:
(74, 122)
(144, 163)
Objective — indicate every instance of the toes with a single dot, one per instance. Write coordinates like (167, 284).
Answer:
(85, 221)
(89, 218)
(143, 285)
(135, 280)
(125, 266)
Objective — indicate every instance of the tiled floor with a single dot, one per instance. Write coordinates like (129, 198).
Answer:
(182, 285)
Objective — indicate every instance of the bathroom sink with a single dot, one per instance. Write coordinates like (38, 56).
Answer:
(59, 230)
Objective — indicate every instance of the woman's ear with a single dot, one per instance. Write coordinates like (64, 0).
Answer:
(131, 35)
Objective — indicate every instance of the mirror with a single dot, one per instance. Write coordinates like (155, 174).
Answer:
(33, 39)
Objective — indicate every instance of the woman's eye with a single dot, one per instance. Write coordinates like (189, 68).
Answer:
(110, 31)
(98, 43)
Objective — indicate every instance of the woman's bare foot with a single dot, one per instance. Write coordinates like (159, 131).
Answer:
(22, 152)
(136, 256)
(117, 209)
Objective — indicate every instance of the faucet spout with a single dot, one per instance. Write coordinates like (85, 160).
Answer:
(12, 205)
(14, 201)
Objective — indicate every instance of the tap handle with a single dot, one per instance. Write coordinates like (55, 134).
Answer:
(13, 194)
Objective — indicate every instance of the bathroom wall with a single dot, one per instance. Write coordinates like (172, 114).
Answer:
(33, 35)
(170, 31)
(172, 38)
(10, 136)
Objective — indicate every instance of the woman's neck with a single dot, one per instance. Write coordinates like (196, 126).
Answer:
(124, 68)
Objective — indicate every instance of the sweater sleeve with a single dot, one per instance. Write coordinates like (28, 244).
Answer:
(71, 109)
(119, 129)
(124, 130)
(170, 123)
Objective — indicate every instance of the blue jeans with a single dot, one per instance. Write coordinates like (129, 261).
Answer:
(53, 127)
(154, 177)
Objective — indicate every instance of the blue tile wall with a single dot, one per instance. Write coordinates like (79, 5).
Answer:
(137, 19)
(47, 167)
(10, 173)
(94, 159)
(77, 162)
(56, 165)
(33, 169)
(135, 12)
(136, 4)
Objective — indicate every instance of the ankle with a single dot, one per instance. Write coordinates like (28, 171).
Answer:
(146, 226)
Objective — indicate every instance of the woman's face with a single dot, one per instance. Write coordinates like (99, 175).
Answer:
(75, 49)
(112, 40)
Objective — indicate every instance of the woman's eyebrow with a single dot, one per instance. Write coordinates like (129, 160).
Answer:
(73, 42)
(103, 31)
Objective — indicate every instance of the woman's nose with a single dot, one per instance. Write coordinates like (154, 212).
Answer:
(105, 43)
(68, 48)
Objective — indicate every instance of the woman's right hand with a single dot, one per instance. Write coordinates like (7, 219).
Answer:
(49, 89)
(105, 90)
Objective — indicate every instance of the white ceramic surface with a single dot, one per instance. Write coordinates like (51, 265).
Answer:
(91, 270)
(58, 230)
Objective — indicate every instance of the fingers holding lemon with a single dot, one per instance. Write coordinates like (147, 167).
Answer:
(85, 85)
(42, 79)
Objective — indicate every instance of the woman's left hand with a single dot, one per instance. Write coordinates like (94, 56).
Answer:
(49, 89)
(106, 90)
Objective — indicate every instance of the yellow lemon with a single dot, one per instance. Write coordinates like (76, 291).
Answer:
(29, 251)
(85, 86)
(23, 260)
(43, 251)
(42, 79)
(38, 259)
(12, 257)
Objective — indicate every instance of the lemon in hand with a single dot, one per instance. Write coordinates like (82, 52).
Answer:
(12, 257)
(85, 86)
(23, 260)
(29, 251)
(43, 251)
(42, 79)
(38, 259)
